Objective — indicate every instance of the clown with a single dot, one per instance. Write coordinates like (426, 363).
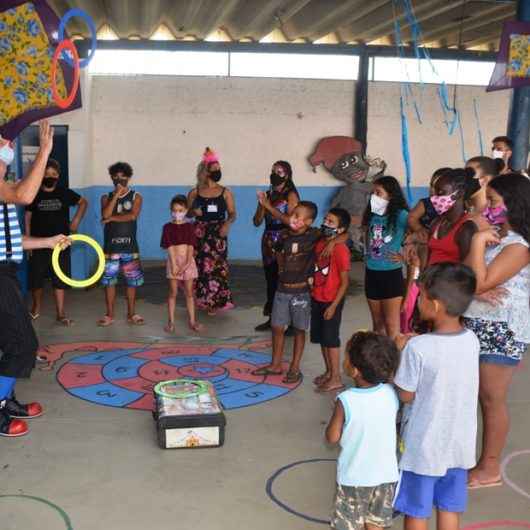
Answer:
(343, 157)
(18, 342)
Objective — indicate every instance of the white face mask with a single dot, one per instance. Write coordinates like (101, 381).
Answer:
(178, 216)
(378, 205)
(497, 154)
(7, 154)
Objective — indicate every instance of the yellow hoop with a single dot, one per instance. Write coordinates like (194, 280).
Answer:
(79, 283)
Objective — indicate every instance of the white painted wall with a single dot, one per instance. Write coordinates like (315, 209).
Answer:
(431, 146)
(162, 124)
(80, 145)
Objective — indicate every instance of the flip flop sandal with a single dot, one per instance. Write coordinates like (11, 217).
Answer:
(105, 322)
(320, 379)
(34, 316)
(169, 328)
(321, 390)
(196, 327)
(66, 322)
(265, 371)
(136, 320)
(292, 377)
(477, 484)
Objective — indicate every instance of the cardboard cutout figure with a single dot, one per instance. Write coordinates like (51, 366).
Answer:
(342, 157)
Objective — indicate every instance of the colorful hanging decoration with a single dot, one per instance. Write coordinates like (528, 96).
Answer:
(28, 39)
(512, 69)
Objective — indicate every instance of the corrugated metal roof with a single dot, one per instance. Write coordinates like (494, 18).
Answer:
(470, 24)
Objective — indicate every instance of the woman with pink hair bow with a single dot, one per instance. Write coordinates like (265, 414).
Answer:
(214, 209)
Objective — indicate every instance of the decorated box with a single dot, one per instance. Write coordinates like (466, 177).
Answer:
(188, 414)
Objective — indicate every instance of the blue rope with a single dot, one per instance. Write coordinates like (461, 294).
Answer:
(452, 116)
(462, 143)
(405, 148)
(479, 129)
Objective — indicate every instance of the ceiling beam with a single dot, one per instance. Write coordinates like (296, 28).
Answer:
(251, 47)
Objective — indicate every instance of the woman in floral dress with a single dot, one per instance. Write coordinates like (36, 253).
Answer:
(214, 210)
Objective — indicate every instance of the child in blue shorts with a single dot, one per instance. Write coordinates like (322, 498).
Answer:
(438, 380)
(364, 422)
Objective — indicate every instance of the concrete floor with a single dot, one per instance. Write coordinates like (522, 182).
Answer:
(102, 465)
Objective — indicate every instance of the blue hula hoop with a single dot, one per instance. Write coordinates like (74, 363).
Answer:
(93, 36)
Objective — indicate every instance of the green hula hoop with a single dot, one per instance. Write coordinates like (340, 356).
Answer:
(58, 509)
(202, 388)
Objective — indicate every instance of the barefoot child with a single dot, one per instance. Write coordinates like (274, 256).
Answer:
(438, 378)
(364, 422)
(330, 283)
(178, 238)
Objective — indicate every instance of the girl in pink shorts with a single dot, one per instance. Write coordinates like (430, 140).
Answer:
(178, 238)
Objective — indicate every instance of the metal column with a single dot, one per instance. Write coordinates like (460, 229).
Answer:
(360, 108)
(519, 119)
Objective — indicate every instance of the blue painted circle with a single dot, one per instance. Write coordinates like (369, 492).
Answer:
(272, 496)
(83, 63)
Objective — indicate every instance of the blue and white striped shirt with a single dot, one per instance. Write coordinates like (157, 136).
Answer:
(10, 234)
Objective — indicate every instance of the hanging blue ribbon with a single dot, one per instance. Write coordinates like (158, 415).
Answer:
(405, 147)
(479, 129)
(452, 117)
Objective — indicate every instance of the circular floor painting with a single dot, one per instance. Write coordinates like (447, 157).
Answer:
(124, 374)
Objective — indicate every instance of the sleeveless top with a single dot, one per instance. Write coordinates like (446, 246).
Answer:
(430, 215)
(10, 235)
(281, 203)
(214, 209)
(445, 249)
(368, 436)
(120, 238)
(514, 308)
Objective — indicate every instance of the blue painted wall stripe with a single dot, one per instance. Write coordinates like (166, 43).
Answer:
(245, 238)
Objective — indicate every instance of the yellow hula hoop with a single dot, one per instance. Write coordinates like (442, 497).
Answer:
(79, 283)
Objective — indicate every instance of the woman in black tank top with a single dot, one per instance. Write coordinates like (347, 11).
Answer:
(214, 210)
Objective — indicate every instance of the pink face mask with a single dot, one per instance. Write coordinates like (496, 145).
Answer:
(296, 224)
(443, 203)
(496, 216)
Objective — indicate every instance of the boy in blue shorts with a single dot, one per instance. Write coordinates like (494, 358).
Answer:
(119, 212)
(438, 380)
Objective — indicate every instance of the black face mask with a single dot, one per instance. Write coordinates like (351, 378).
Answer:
(276, 180)
(215, 175)
(49, 182)
(328, 231)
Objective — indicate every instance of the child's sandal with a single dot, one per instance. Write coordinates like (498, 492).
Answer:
(292, 377)
(169, 327)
